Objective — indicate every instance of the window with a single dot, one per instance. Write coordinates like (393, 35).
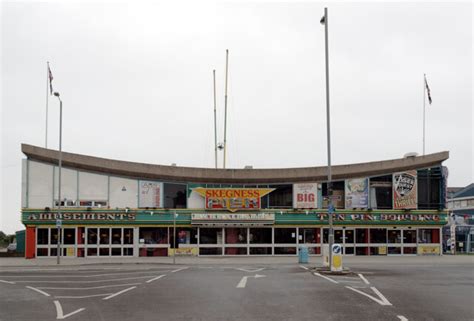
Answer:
(381, 192)
(394, 236)
(153, 235)
(309, 235)
(69, 236)
(174, 195)
(210, 236)
(186, 235)
(104, 236)
(260, 236)
(409, 236)
(42, 236)
(378, 235)
(116, 236)
(236, 236)
(337, 194)
(92, 236)
(428, 236)
(128, 236)
(281, 197)
(362, 235)
(429, 188)
(285, 235)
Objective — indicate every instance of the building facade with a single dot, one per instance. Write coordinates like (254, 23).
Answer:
(459, 233)
(118, 208)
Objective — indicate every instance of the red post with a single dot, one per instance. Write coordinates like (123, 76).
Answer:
(30, 243)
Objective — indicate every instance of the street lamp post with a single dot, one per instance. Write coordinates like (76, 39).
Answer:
(325, 21)
(174, 237)
(58, 224)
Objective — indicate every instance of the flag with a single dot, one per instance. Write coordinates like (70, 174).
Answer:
(50, 77)
(428, 91)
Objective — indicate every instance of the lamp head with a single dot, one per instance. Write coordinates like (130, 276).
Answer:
(56, 94)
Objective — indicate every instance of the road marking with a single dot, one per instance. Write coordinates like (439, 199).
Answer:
(82, 276)
(325, 277)
(158, 277)
(243, 281)
(363, 278)
(250, 271)
(304, 267)
(84, 281)
(59, 311)
(9, 282)
(382, 300)
(174, 271)
(38, 290)
(350, 281)
(118, 293)
(81, 296)
(89, 288)
(401, 317)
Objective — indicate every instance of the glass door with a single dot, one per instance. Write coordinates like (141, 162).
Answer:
(349, 241)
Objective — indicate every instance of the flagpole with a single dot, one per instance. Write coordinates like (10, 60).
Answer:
(47, 100)
(225, 104)
(215, 121)
(424, 99)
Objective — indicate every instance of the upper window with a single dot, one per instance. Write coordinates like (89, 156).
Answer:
(174, 195)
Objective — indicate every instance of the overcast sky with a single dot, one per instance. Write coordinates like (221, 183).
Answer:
(136, 83)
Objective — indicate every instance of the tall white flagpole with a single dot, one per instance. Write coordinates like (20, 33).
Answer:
(215, 121)
(47, 100)
(424, 99)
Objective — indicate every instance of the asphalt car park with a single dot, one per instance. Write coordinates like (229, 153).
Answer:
(384, 290)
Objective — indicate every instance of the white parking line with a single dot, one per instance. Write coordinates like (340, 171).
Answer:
(158, 277)
(9, 282)
(89, 288)
(59, 311)
(325, 277)
(242, 282)
(81, 296)
(382, 300)
(84, 281)
(363, 278)
(304, 267)
(184, 268)
(81, 276)
(401, 317)
(38, 290)
(118, 293)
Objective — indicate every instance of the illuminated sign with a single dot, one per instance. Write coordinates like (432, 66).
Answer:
(232, 199)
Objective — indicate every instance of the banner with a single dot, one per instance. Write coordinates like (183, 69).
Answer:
(232, 199)
(357, 193)
(305, 195)
(150, 194)
(405, 190)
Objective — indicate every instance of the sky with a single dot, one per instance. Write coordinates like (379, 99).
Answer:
(136, 83)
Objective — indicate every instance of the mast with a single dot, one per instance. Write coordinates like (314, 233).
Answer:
(215, 121)
(225, 104)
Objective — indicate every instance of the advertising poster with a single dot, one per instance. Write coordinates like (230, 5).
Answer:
(357, 193)
(150, 194)
(405, 190)
(232, 199)
(305, 195)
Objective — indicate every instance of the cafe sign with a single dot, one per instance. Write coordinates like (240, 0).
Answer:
(232, 199)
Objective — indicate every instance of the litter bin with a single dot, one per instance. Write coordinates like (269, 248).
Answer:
(303, 254)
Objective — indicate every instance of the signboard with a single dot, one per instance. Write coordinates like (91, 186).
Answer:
(336, 264)
(405, 190)
(357, 193)
(81, 216)
(184, 251)
(230, 219)
(428, 250)
(150, 194)
(232, 199)
(305, 195)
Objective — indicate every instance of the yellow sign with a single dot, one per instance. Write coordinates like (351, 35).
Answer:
(382, 250)
(70, 251)
(184, 251)
(428, 250)
(232, 199)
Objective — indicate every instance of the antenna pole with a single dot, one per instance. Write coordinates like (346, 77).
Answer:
(215, 121)
(225, 104)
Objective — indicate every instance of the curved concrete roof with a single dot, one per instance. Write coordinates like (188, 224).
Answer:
(236, 176)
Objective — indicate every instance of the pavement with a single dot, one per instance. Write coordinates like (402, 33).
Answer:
(263, 288)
